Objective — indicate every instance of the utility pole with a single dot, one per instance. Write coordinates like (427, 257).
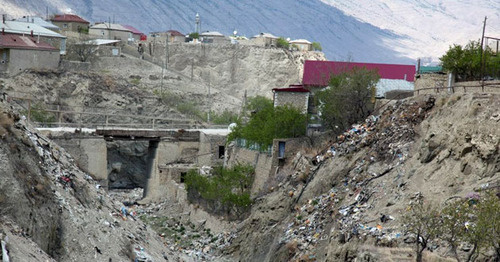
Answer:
(209, 99)
(482, 54)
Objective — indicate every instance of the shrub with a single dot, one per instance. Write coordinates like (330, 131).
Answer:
(317, 46)
(282, 43)
(348, 99)
(268, 122)
(227, 189)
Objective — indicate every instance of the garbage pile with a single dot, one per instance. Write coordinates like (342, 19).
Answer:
(388, 138)
(387, 135)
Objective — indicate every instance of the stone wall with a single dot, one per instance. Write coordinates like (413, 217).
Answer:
(75, 65)
(298, 100)
(89, 152)
(20, 59)
(262, 162)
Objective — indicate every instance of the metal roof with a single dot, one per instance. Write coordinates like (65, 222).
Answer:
(265, 35)
(133, 29)
(69, 18)
(211, 33)
(300, 41)
(23, 42)
(386, 85)
(39, 21)
(318, 73)
(101, 42)
(107, 26)
(16, 27)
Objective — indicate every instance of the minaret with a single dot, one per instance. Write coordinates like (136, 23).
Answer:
(197, 26)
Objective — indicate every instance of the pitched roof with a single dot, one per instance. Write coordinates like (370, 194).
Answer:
(175, 33)
(69, 18)
(386, 85)
(266, 35)
(23, 42)
(108, 26)
(16, 27)
(101, 42)
(293, 89)
(39, 21)
(211, 33)
(133, 29)
(300, 41)
(318, 73)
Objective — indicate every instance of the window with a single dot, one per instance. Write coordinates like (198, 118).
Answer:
(65, 25)
(222, 149)
(183, 177)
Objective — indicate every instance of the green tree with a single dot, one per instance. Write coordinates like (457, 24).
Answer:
(268, 122)
(465, 62)
(227, 189)
(257, 103)
(317, 46)
(194, 35)
(282, 43)
(349, 98)
(423, 221)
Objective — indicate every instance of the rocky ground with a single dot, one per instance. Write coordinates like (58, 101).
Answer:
(346, 203)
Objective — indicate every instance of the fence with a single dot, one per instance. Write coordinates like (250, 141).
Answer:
(462, 87)
(51, 115)
(243, 143)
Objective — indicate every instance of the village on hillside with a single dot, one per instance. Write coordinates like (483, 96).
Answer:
(122, 145)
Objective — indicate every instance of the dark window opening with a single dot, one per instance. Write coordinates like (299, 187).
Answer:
(183, 177)
(221, 151)
(281, 150)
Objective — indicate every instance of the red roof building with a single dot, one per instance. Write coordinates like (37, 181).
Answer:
(174, 33)
(318, 73)
(10, 41)
(69, 18)
(72, 23)
(18, 53)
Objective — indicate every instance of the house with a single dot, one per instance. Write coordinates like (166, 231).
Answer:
(176, 36)
(265, 39)
(317, 74)
(18, 53)
(39, 21)
(214, 37)
(111, 31)
(105, 47)
(45, 35)
(302, 44)
(173, 36)
(72, 23)
(294, 95)
(136, 34)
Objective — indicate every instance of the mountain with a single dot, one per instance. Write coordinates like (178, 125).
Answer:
(398, 31)
(431, 26)
(342, 36)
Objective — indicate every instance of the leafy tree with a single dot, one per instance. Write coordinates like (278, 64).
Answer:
(82, 49)
(423, 221)
(227, 188)
(282, 43)
(349, 98)
(317, 46)
(257, 103)
(465, 62)
(455, 216)
(194, 35)
(268, 122)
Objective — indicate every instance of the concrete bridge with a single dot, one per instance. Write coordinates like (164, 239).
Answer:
(171, 153)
